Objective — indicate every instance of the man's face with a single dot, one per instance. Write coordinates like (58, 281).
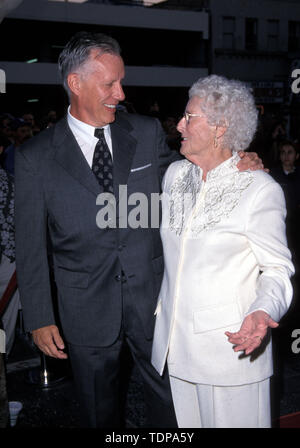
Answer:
(6, 128)
(97, 89)
(22, 134)
(29, 118)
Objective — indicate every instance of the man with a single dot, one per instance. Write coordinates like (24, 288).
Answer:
(107, 279)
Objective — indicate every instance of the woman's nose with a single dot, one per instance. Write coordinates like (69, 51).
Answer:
(181, 125)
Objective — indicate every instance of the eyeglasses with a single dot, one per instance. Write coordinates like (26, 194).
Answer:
(187, 116)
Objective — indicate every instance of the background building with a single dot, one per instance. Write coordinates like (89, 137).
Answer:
(259, 42)
(164, 51)
(166, 44)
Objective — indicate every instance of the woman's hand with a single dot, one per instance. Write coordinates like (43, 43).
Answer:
(253, 330)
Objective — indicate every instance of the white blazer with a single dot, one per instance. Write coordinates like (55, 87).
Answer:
(225, 257)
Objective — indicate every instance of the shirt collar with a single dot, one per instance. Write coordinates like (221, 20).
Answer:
(84, 129)
(223, 169)
(289, 172)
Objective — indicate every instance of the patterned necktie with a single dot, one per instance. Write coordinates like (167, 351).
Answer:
(102, 162)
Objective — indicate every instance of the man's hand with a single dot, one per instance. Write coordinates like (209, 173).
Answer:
(253, 330)
(250, 160)
(49, 341)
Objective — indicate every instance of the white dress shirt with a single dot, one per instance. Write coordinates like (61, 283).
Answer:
(84, 134)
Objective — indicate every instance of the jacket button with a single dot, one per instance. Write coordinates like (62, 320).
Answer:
(120, 278)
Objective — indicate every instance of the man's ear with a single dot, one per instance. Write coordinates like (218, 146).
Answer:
(74, 83)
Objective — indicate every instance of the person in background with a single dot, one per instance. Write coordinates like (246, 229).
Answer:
(7, 261)
(28, 117)
(21, 131)
(5, 133)
(287, 174)
(173, 136)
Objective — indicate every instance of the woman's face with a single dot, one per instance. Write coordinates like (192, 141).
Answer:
(288, 157)
(197, 135)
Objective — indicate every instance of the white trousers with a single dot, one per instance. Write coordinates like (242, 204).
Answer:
(206, 406)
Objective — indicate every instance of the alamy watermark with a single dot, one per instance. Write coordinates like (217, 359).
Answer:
(2, 81)
(138, 210)
(296, 343)
(296, 83)
(114, 211)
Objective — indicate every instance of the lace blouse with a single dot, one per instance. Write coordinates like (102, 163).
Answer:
(223, 189)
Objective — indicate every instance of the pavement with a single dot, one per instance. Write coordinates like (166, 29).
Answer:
(46, 390)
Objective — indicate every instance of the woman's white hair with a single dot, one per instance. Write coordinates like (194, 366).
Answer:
(228, 103)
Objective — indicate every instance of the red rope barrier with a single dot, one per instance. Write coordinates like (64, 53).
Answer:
(8, 293)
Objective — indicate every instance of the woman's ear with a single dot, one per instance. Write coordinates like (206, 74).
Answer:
(220, 131)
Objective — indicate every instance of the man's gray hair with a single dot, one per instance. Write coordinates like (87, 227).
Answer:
(228, 103)
(77, 52)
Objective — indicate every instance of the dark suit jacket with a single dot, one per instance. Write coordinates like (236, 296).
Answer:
(56, 194)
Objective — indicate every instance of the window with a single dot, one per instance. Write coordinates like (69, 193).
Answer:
(273, 35)
(294, 36)
(251, 34)
(228, 32)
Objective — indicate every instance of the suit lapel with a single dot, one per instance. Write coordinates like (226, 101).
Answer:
(70, 157)
(124, 147)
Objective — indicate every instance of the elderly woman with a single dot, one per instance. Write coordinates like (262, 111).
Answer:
(227, 266)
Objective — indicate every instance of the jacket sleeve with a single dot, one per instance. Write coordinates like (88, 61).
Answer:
(165, 155)
(31, 245)
(267, 238)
